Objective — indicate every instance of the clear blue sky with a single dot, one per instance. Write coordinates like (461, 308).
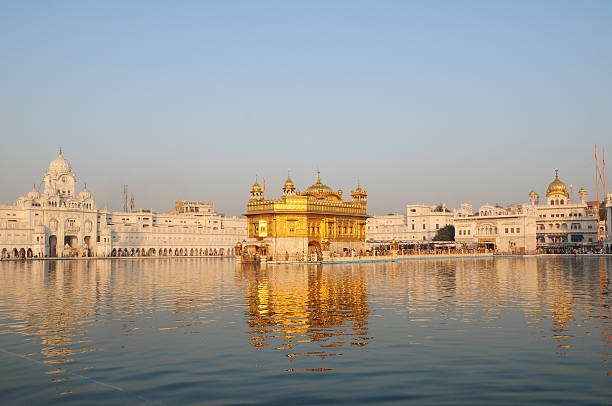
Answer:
(421, 102)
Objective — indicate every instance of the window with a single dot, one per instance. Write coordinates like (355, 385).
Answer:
(518, 230)
(437, 226)
(423, 226)
(506, 230)
(512, 230)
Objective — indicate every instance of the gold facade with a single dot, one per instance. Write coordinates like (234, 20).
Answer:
(312, 221)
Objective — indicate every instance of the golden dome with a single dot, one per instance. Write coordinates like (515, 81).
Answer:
(557, 188)
(256, 187)
(321, 191)
(289, 183)
(359, 193)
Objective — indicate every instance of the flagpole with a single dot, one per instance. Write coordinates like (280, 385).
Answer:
(597, 192)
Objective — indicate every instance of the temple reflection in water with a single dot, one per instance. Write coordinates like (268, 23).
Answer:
(61, 305)
(288, 305)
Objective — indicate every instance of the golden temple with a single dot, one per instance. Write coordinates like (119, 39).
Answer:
(304, 226)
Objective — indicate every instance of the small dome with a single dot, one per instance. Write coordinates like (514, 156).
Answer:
(359, 193)
(85, 194)
(557, 188)
(289, 184)
(33, 194)
(255, 187)
(60, 164)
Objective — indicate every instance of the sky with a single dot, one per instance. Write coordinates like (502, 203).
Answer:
(419, 102)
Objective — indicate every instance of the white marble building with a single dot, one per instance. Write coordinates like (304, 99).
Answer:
(420, 224)
(509, 230)
(563, 223)
(60, 222)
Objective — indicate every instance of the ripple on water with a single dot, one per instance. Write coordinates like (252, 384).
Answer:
(188, 331)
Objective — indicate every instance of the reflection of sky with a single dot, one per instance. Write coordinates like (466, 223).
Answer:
(174, 318)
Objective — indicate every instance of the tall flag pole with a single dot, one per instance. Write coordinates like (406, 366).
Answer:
(597, 193)
(605, 186)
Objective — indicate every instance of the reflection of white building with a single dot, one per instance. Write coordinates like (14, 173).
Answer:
(61, 222)
(506, 230)
(562, 222)
(421, 223)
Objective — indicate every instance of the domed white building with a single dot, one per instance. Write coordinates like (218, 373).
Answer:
(59, 222)
(563, 223)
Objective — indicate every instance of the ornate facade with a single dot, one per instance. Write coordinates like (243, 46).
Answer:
(307, 225)
(60, 223)
(510, 230)
(563, 222)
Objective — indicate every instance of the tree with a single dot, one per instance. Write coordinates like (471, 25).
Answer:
(446, 233)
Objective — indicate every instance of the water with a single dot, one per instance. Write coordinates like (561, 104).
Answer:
(207, 331)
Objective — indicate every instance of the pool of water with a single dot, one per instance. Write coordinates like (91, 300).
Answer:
(208, 331)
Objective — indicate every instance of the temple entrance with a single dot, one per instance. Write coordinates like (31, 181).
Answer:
(53, 246)
(314, 251)
(70, 245)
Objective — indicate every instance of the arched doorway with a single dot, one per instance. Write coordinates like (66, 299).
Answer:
(314, 251)
(4, 253)
(87, 241)
(29, 253)
(53, 246)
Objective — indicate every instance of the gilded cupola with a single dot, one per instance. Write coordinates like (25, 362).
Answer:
(359, 194)
(256, 192)
(321, 191)
(557, 189)
(289, 187)
(534, 198)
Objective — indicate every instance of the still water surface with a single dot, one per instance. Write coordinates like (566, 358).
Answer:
(207, 331)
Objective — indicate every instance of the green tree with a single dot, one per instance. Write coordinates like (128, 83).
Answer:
(446, 233)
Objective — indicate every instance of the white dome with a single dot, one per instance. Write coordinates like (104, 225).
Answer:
(60, 164)
(33, 194)
(85, 194)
